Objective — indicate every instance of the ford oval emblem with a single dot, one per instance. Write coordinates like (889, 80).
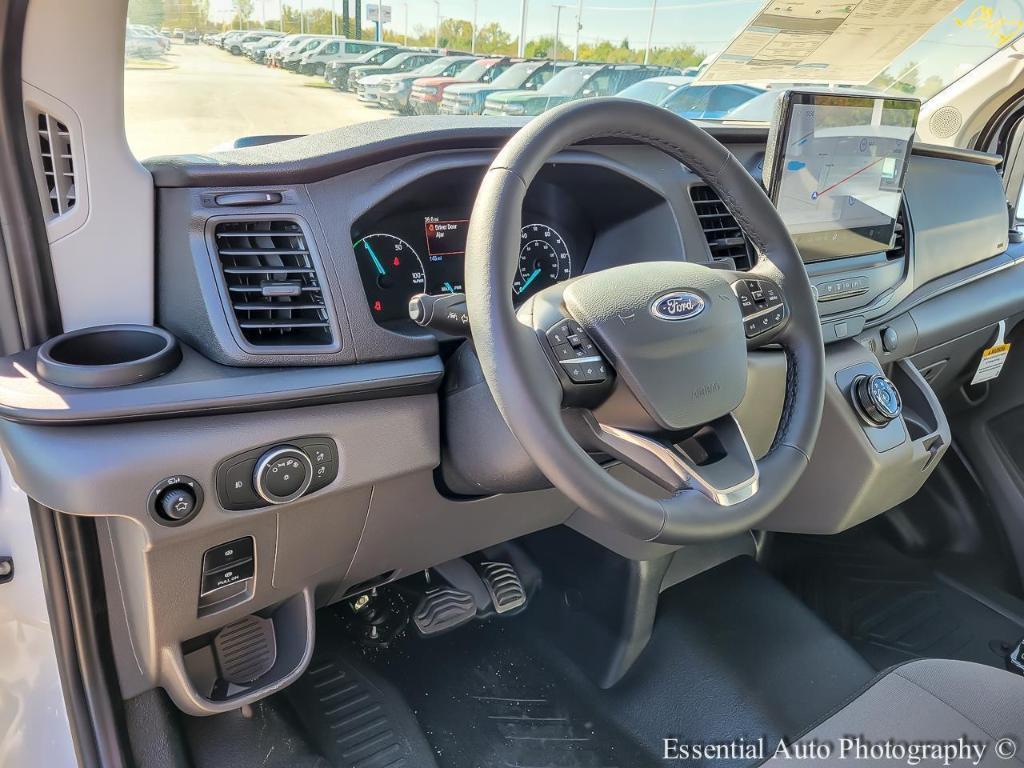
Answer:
(681, 305)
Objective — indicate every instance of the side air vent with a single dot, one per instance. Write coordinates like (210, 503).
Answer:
(272, 283)
(724, 236)
(899, 242)
(57, 164)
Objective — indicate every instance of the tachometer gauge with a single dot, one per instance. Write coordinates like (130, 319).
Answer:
(392, 273)
(544, 260)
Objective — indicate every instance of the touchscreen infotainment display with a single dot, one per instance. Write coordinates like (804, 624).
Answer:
(835, 170)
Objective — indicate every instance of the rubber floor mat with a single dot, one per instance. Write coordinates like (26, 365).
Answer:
(889, 606)
(487, 697)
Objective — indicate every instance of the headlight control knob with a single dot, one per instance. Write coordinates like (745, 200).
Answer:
(282, 474)
(876, 399)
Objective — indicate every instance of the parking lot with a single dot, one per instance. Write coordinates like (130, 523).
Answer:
(198, 97)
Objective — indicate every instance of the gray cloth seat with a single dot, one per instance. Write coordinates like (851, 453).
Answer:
(932, 701)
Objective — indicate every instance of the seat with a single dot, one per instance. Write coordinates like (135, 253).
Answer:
(926, 702)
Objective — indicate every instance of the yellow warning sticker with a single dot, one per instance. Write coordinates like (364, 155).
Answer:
(991, 364)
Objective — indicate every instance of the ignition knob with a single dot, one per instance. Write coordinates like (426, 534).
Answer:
(282, 474)
(877, 399)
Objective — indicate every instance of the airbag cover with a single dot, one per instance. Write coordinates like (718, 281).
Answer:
(686, 365)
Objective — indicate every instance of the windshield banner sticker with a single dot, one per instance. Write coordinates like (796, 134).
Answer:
(818, 41)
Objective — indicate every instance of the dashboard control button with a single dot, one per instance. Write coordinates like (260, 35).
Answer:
(890, 339)
(282, 474)
(176, 503)
(219, 557)
(175, 500)
(238, 486)
(877, 399)
(325, 464)
(227, 576)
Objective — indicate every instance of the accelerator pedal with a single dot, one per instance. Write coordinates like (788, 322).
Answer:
(246, 650)
(504, 586)
(443, 608)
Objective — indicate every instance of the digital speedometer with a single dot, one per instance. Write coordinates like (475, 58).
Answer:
(391, 271)
(544, 260)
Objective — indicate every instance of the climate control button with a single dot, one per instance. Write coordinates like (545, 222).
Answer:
(282, 474)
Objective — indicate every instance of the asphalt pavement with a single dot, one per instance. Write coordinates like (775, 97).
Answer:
(198, 97)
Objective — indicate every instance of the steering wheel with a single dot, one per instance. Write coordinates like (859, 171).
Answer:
(646, 362)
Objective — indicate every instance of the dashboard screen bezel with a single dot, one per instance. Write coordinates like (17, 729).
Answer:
(778, 138)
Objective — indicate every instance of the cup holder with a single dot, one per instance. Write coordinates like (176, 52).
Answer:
(108, 356)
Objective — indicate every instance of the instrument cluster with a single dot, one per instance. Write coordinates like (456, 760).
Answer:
(405, 255)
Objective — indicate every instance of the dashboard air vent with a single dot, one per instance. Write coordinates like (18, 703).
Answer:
(899, 241)
(724, 236)
(272, 283)
(57, 164)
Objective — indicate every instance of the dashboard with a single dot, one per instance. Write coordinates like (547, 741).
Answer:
(334, 233)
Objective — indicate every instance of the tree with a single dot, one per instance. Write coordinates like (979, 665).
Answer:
(243, 11)
(149, 12)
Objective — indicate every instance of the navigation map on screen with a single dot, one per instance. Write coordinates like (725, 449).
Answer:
(838, 184)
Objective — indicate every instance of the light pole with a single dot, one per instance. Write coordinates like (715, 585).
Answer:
(406, 23)
(522, 28)
(302, 16)
(558, 24)
(437, 24)
(334, 20)
(650, 31)
(473, 44)
(579, 26)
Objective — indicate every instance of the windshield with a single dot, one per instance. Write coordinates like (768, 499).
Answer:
(514, 76)
(436, 67)
(475, 70)
(653, 92)
(183, 98)
(568, 81)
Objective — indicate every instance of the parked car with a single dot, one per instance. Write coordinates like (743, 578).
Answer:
(191, 37)
(697, 101)
(293, 57)
(469, 98)
(336, 72)
(258, 50)
(427, 92)
(314, 62)
(581, 82)
(656, 89)
(234, 46)
(398, 87)
(287, 45)
(404, 62)
(142, 44)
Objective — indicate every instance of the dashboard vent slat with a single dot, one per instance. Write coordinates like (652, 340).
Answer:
(899, 241)
(58, 165)
(724, 236)
(256, 258)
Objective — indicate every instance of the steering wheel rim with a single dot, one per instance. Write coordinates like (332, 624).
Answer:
(522, 379)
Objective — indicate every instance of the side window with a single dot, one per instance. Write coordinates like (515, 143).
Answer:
(629, 77)
(353, 48)
(331, 48)
(538, 78)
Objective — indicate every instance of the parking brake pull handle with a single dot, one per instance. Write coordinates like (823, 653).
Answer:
(444, 312)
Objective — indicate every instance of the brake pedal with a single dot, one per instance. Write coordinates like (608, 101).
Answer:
(443, 608)
(504, 586)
